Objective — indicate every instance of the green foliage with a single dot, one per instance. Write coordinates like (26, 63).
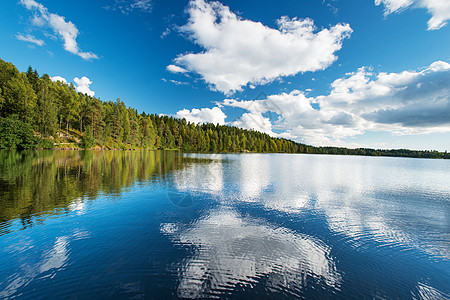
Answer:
(19, 98)
(45, 115)
(88, 140)
(16, 134)
(46, 144)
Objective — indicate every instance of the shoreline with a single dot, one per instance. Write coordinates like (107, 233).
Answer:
(238, 152)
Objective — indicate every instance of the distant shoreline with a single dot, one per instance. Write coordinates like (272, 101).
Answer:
(381, 153)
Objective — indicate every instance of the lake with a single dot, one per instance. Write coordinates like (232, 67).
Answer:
(164, 225)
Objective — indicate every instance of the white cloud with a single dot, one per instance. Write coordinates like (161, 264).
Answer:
(409, 102)
(83, 85)
(31, 4)
(58, 78)
(65, 30)
(392, 6)
(175, 69)
(205, 115)
(254, 121)
(439, 9)
(30, 39)
(69, 32)
(239, 51)
(176, 82)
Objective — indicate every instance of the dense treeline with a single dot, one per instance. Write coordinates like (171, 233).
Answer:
(36, 112)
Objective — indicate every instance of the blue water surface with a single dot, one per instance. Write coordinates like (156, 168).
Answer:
(166, 225)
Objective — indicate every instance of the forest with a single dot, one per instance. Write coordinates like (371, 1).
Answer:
(36, 112)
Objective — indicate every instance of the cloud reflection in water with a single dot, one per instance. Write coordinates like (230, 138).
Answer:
(232, 250)
(50, 262)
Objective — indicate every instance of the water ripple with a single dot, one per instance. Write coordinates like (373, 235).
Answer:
(233, 250)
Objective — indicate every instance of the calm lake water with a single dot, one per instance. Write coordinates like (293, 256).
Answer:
(162, 225)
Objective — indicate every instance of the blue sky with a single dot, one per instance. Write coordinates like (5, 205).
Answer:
(353, 73)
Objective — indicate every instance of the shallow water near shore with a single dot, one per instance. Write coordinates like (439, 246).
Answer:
(163, 225)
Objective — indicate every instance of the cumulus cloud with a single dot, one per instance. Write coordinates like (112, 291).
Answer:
(66, 30)
(238, 51)
(408, 102)
(254, 121)
(439, 9)
(83, 84)
(58, 78)
(127, 6)
(205, 115)
(30, 39)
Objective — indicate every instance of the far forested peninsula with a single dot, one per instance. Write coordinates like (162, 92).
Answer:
(37, 113)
